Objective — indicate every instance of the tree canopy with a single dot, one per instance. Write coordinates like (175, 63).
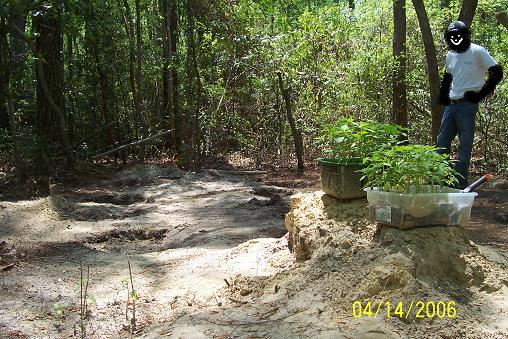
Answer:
(84, 77)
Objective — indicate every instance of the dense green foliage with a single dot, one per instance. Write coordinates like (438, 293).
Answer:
(352, 140)
(335, 60)
(408, 169)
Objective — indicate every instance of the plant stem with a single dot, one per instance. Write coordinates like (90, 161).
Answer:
(133, 320)
(127, 304)
(85, 308)
(82, 323)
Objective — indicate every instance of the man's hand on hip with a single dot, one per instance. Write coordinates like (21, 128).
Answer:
(472, 96)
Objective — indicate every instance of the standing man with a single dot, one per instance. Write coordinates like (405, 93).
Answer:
(462, 88)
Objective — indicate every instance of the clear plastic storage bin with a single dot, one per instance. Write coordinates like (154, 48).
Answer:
(448, 208)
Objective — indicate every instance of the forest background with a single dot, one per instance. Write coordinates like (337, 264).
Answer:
(257, 77)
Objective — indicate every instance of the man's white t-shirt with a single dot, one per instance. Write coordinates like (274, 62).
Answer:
(468, 69)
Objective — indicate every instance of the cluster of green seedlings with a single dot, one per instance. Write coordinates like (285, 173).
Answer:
(348, 142)
(85, 297)
(408, 169)
(388, 162)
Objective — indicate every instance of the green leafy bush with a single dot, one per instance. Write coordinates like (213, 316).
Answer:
(408, 169)
(351, 141)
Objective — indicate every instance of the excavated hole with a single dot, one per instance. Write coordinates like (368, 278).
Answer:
(68, 250)
(271, 191)
(110, 198)
(129, 241)
(116, 241)
(95, 213)
(130, 235)
(273, 196)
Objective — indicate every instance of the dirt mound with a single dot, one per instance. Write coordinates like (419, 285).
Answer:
(317, 219)
(92, 211)
(344, 258)
(433, 255)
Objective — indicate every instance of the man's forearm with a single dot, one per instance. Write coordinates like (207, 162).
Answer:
(494, 77)
(444, 90)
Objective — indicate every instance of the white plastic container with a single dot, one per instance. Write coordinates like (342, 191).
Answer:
(448, 208)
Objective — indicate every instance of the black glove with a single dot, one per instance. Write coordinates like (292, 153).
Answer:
(472, 96)
(444, 90)
(494, 77)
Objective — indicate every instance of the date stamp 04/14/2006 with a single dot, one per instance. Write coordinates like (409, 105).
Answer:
(421, 309)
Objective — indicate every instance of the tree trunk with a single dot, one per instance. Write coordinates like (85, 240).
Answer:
(432, 66)
(4, 115)
(399, 100)
(17, 57)
(467, 12)
(51, 123)
(139, 43)
(129, 29)
(280, 120)
(194, 92)
(173, 37)
(169, 69)
(104, 85)
(502, 18)
(17, 44)
(48, 49)
(297, 136)
(5, 71)
(70, 86)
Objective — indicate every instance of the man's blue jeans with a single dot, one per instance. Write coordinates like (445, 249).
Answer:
(458, 119)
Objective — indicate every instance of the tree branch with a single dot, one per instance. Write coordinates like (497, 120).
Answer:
(135, 143)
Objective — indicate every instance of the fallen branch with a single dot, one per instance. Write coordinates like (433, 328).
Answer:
(418, 108)
(238, 301)
(237, 172)
(135, 143)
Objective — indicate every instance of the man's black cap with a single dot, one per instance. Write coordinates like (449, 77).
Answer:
(457, 26)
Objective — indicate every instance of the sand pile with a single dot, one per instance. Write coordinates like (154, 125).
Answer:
(342, 257)
(432, 255)
(318, 220)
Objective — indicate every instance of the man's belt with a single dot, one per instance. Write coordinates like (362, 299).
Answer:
(457, 101)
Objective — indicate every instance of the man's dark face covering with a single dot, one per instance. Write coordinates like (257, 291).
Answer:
(457, 37)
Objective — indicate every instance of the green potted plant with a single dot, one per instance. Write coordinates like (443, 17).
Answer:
(346, 143)
(407, 187)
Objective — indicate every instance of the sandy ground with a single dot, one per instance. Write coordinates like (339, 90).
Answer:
(183, 233)
(355, 260)
(209, 258)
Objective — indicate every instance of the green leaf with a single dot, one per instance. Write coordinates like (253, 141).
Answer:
(91, 298)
